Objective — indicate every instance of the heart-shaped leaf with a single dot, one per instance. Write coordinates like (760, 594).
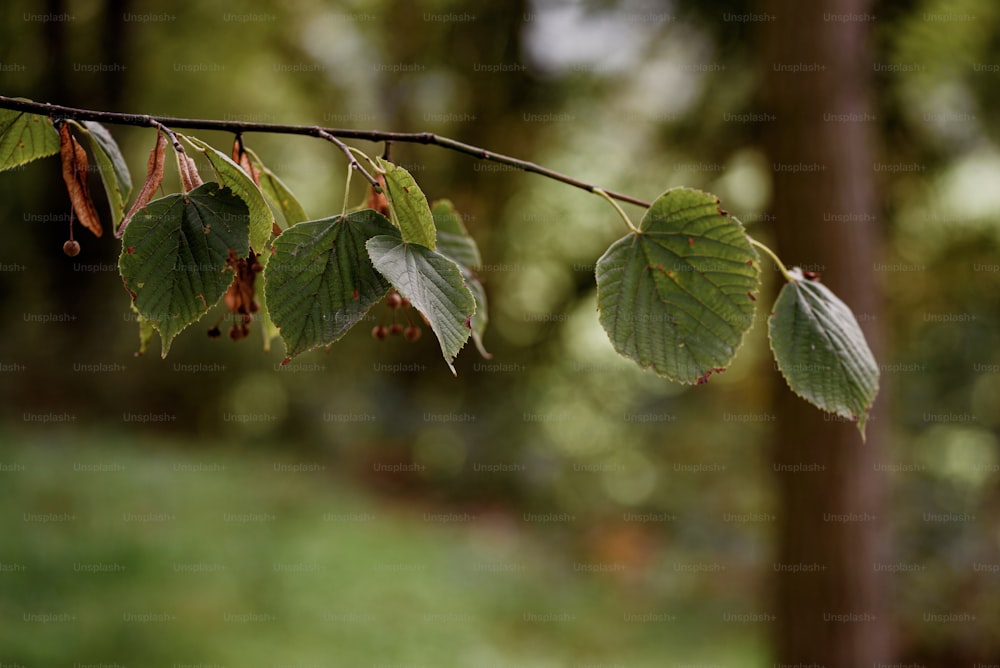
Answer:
(176, 252)
(433, 284)
(320, 282)
(821, 350)
(25, 137)
(678, 295)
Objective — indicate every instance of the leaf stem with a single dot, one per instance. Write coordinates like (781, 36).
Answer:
(143, 120)
(347, 192)
(781, 266)
(374, 165)
(628, 221)
(352, 161)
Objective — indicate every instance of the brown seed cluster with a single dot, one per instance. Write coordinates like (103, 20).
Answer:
(239, 297)
(397, 304)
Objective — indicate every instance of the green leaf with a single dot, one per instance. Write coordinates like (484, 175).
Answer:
(175, 252)
(267, 326)
(111, 163)
(410, 212)
(481, 317)
(25, 137)
(320, 282)
(452, 238)
(433, 284)
(821, 350)
(146, 331)
(678, 296)
(454, 242)
(233, 177)
(278, 193)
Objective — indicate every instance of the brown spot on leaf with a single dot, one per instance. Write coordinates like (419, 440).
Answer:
(705, 376)
(752, 298)
(128, 289)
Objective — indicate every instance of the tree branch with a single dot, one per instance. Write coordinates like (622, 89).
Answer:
(331, 134)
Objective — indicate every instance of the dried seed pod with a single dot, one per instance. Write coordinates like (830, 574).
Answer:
(74, 171)
(154, 177)
(242, 158)
(189, 171)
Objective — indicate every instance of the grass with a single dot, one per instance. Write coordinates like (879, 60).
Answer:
(179, 554)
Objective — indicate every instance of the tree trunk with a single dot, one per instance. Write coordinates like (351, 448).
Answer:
(830, 600)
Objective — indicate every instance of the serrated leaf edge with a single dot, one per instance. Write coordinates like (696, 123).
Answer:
(847, 413)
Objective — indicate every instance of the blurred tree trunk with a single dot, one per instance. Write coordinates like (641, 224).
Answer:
(817, 68)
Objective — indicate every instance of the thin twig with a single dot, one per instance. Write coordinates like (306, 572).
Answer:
(142, 120)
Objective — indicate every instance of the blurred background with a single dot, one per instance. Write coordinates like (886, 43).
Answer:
(554, 505)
